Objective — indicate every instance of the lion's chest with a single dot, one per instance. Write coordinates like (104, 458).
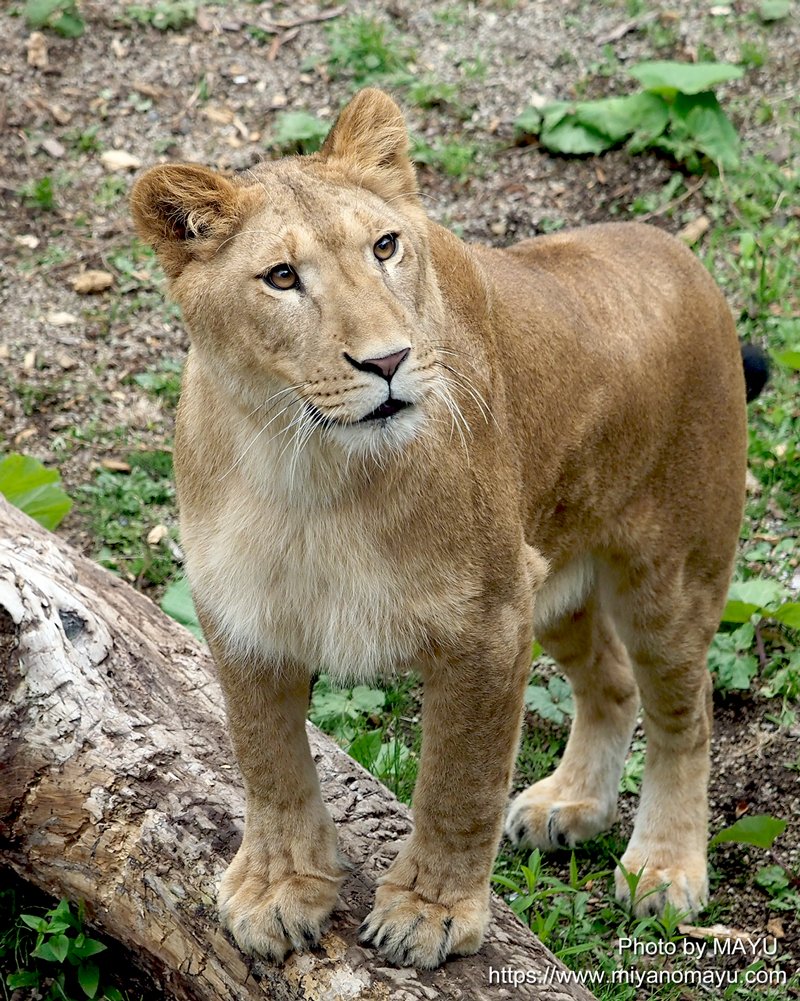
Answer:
(312, 589)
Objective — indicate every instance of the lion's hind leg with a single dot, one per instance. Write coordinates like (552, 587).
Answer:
(579, 800)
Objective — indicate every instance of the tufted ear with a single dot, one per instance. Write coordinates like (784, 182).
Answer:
(184, 211)
(370, 141)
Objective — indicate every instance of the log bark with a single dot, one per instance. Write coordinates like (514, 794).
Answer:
(118, 786)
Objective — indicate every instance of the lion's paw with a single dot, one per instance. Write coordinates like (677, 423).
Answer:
(270, 919)
(412, 931)
(540, 818)
(681, 882)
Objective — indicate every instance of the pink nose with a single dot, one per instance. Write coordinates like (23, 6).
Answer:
(384, 367)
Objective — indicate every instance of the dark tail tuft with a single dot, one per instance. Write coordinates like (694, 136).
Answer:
(756, 369)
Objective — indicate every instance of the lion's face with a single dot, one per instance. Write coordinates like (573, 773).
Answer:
(321, 309)
(306, 287)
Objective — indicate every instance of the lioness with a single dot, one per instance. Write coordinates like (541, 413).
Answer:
(395, 450)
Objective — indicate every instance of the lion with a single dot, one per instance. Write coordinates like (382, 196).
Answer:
(395, 450)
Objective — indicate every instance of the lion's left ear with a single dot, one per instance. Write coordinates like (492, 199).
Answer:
(370, 141)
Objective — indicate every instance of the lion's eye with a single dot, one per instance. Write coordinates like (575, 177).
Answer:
(386, 247)
(282, 277)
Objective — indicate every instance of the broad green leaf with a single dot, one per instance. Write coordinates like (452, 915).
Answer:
(60, 946)
(789, 358)
(89, 947)
(69, 25)
(774, 10)
(368, 700)
(89, 978)
(38, 11)
(45, 951)
(32, 921)
(760, 830)
(707, 126)
(570, 137)
(366, 748)
(529, 121)
(788, 614)
(23, 978)
(33, 488)
(553, 702)
(772, 878)
(177, 603)
(751, 597)
(620, 117)
(735, 673)
(669, 78)
(299, 128)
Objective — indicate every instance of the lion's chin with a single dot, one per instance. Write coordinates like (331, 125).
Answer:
(379, 434)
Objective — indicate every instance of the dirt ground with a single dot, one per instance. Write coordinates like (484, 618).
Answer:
(210, 92)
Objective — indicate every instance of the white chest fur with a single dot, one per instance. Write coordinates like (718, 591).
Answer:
(312, 585)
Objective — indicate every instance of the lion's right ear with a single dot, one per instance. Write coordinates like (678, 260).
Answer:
(184, 211)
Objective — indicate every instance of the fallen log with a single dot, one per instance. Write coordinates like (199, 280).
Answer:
(118, 787)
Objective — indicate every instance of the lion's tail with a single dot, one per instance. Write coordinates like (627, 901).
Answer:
(756, 369)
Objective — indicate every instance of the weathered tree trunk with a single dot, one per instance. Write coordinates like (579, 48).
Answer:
(118, 786)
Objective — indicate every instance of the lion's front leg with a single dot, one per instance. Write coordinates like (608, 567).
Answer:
(283, 882)
(434, 899)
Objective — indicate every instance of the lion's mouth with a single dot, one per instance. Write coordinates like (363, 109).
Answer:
(388, 408)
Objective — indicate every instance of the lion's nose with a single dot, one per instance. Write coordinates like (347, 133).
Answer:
(384, 367)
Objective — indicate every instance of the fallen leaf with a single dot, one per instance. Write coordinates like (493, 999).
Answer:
(115, 466)
(221, 116)
(89, 282)
(27, 240)
(156, 534)
(741, 808)
(118, 159)
(775, 928)
(25, 435)
(693, 230)
(59, 115)
(61, 319)
(37, 50)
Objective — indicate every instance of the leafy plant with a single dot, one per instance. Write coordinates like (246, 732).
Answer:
(762, 598)
(163, 382)
(676, 112)
(364, 49)
(298, 132)
(456, 159)
(552, 702)
(61, 16)
(39, 194)
(340, 711)
(165, 15)
(178, 605)
(66, 970)
(781, 886)
(29, 485)
(760, 830)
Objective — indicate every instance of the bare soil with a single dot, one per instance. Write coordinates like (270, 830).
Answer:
(210, 93)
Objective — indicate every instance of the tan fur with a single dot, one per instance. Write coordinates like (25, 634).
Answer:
(574, 457)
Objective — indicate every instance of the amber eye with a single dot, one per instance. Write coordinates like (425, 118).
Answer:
(386, 247)
(282, 277)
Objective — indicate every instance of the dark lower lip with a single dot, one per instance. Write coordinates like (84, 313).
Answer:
(387, 409)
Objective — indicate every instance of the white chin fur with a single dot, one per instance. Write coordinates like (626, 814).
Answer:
(379, 437)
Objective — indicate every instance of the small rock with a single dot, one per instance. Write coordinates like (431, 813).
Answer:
(775, 928)
(241, 79)
(53, 148)
(499, 228)
(25, 435)
(66, 361)
(693, 230)
(61, 319)
(156, 534)
(27, 240)
(59, 115)
(119, 50)
(5, 353)
(118, 159)
(89, 282)
(37, 50)
(115, 466)
(29, 361)
(278, 101)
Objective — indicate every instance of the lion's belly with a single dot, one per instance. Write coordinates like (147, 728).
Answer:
(312, 591)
